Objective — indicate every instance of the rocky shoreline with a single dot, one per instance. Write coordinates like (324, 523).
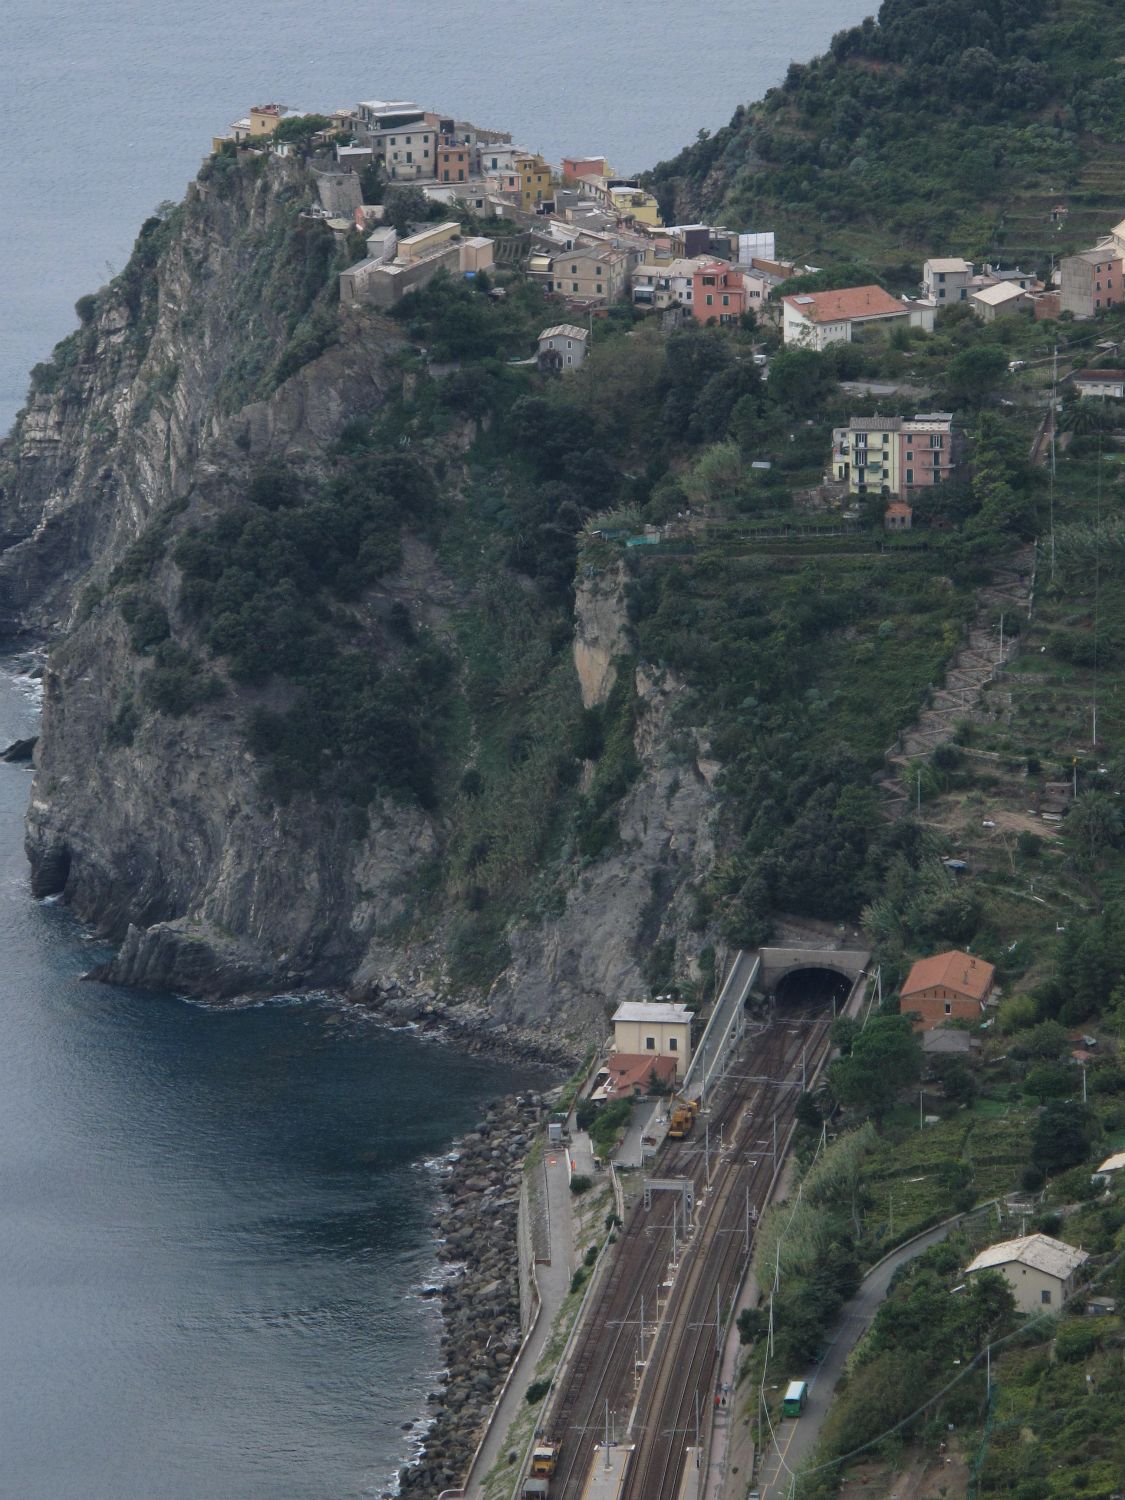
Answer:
(480, 1299)
(470, 1025)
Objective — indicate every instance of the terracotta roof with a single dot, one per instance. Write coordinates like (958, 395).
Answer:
(1098, 376)
(637, 1070)
(849, 302)
(1039, 1251)
(899, 508)
(955, 971)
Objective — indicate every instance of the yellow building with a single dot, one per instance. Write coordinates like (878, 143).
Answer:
(427, 240)
(635, 203)
(262, 120)
(534, 176)
(655, 1029)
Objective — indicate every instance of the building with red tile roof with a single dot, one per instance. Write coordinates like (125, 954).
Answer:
(950, 986)
(816, 319)
(636, 1073)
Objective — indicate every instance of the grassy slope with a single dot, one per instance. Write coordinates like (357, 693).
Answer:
(903, 139)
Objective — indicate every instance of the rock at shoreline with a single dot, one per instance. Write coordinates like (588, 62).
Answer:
(481, 1304)
(19, 752)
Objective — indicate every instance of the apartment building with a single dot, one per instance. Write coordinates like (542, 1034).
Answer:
(1091, 281)
(896, 455)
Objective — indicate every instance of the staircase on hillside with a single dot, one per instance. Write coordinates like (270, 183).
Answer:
(976, 663)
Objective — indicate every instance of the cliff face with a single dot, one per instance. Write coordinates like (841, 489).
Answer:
(157, 827)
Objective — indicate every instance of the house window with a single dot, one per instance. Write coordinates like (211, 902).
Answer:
(710, 299)
(1045, 1298)
(574, 286)
(936, 440)
(910, 476)
(948, 1008)
(673, 1044)
(941, 292)
(650, 1044)
(726, 301)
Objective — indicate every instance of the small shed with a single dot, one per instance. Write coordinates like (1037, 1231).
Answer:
(898, 516)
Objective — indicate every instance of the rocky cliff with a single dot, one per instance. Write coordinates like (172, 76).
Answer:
(219, 350)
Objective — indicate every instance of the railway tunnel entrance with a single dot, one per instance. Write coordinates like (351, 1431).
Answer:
(811, 977)
(811, 989)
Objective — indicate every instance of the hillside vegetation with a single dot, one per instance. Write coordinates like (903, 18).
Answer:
(943, 126)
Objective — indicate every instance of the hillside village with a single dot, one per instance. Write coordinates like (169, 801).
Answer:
(481, 208)
(990, 1070)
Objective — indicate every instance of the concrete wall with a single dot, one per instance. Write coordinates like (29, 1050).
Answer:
(339, 192)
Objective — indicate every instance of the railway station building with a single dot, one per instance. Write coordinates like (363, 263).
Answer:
(654, 1028)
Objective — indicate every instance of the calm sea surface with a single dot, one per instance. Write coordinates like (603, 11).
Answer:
(108, 108)
(212, 1225)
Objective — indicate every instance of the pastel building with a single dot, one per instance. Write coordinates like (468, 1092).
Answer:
(718, 293)
(1091, 281)
(897, 455)
(946, 281)
(654, 1028)
(1042, 1272)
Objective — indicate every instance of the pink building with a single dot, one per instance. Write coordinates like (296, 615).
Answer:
(718, 293)
(576, 167)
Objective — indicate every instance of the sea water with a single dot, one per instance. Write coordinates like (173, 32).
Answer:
(214, 1224)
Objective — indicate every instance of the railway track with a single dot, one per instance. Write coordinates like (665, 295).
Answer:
(678, 1381)
(681, 1381)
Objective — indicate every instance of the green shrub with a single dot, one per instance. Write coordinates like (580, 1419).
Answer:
(580, 1184)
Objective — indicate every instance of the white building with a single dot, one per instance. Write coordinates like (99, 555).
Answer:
(667, 285)
(1101, 383)
(813, 320)
(945, 281)
(1042, 1272)
(562, 347)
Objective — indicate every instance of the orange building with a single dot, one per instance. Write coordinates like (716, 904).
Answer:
(951, 986)
(454, 162)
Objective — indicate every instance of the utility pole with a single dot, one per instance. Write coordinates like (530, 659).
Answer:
(921, 1118)
(1001, 637)
(919, 791)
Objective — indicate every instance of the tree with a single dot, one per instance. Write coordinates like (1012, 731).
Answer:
(405, 206)
(885, 1059)
(973, 374)
(801, 380)
(1061, 1137)
(299, 129)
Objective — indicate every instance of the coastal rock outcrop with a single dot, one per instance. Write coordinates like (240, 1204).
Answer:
(219, 351)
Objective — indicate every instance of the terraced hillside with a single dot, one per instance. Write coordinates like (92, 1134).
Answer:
(942, 126)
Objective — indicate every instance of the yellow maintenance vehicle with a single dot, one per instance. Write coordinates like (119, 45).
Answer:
(544, 1459)
(681, 1117)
